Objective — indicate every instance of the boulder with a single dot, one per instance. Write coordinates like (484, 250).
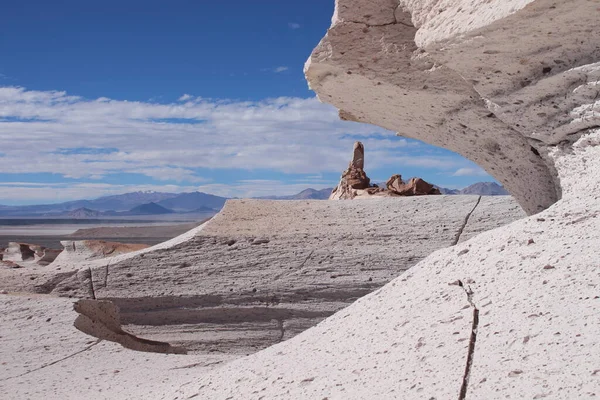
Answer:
(414, 187)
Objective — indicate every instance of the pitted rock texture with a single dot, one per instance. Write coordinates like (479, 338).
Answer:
(306, 260)
(263, 271)
(533, 283)
(44, 356)
(500, 82)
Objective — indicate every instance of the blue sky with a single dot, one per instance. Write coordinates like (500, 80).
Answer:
(100, 98)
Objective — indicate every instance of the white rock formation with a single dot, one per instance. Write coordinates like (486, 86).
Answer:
(77, 251)
(511, 313)
(262, 271)
(500, 82)
(25, 254)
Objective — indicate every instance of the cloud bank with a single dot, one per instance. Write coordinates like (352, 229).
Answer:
(78, 138)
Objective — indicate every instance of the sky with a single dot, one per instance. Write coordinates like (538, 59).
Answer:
(101, 98)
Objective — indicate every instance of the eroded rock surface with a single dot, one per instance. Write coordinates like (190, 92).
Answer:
(44, 356)
(528, 290)
(500, 82)
(25, 254)
(262, 271)
(102, 319)
(85, 250)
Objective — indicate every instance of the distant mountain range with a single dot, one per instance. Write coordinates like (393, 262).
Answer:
(157, 203)
(307, 194)
(142, 209)
(128, 204)
(479, 188)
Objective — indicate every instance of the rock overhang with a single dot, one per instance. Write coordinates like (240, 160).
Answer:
(500, 83)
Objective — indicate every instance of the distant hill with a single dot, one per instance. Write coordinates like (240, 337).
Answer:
(307, 194)
(148, 209)
(127, 201)
(447, 191)
(479, 188)
(83, 213)
(121, 202)
(485, 189)
(186, 202)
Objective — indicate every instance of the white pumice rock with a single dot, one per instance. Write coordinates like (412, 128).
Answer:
(509, 313)
(535, 286)
(491, 80)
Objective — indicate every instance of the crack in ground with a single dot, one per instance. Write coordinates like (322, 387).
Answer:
(472, 340)
(199, 364)
(378, 25)
(106, 276)
(92, 283)
(462, 228)
(299, 267)
(281, 329)
(54, 362)
(306, 259)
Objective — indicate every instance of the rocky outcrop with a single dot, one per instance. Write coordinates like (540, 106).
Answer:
(26, 254)
(510, 313)
(513, 86)
(355, 183)
(414, 187)
(101, 318)
(354, 178)
(85, 250)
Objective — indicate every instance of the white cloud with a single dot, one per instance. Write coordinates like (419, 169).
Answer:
(294, 25)
(476, 171)
(185, 97)
(41, 132)
(284, 134)
(276, 70)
